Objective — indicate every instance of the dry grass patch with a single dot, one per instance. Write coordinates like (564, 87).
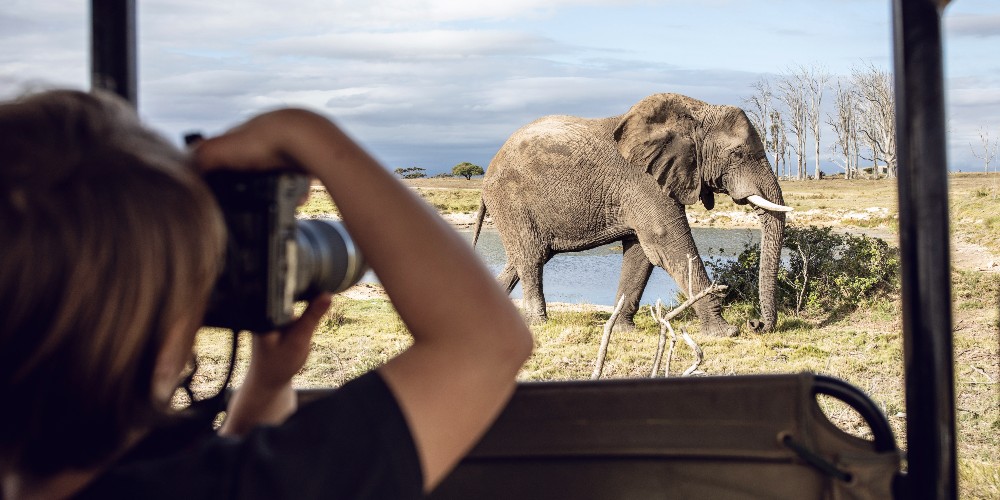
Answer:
(446, 183)
(975, 209)
(448, 201)
(319, 204)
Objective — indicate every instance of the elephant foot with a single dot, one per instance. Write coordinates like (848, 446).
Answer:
(623, 325)
(720, 329)
(759, 326)
(535, 319)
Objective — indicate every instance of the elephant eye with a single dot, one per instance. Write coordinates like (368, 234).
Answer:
(739, 153)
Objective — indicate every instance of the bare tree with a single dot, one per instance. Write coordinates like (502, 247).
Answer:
(988, 147)
(778, 144)
(811, 82)
(876, 102)
(758, 107)
(864, 123)
(845, 126)
(815, 79)
(793, 94)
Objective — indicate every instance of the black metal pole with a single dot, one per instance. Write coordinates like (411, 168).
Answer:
(112, 47)
(924, 249)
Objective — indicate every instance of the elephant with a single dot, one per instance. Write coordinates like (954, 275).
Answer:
(564, 184)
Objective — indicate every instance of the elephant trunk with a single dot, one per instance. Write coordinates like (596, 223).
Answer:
(772, 234)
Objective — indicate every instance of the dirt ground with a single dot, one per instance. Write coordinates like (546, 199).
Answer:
(970, 256)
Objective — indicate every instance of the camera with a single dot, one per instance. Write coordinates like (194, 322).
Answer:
(273, 260)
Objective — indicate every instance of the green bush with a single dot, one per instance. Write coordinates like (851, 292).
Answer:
(823, 271)
(411, 172)
(467, 170)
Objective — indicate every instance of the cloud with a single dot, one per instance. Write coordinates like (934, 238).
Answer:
(12, 25)
(410, 45)
(975, 97)
(259, 19)
(967, 25)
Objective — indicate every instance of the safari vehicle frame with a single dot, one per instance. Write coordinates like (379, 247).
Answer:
(593, 440)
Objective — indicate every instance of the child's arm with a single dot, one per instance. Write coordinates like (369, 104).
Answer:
(460, 371)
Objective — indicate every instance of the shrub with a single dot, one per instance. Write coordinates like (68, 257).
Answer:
(467, 170)
(411, 172)
(823, 271)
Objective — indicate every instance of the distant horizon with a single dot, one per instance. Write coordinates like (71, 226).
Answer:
(782, 179)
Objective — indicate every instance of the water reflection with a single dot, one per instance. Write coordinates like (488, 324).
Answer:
(591, 276)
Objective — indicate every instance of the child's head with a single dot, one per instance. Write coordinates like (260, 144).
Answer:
(109, 246)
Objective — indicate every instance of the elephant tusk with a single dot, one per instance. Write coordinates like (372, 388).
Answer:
(767, 205)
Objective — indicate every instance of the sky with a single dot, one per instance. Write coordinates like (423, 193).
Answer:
(433, 83)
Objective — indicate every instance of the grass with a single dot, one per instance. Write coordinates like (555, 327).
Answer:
(447, 195)
(863, 347)
(447, 183)
(318, 204)
(450, 200)
(975, 209)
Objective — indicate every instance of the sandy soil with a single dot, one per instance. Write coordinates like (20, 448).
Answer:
(972, 257)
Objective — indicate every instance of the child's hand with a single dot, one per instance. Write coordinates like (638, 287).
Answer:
(266, 396)
(264, 142)
(279, 355)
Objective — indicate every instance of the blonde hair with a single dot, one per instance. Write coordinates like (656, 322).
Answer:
(108, 241)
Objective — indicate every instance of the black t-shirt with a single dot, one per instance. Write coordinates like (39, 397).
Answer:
(353, 444)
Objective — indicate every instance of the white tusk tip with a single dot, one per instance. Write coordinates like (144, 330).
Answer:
(767, 205)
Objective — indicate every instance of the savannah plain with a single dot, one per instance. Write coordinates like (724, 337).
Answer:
(863, 347)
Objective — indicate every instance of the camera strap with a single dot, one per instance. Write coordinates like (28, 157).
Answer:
(217, 402)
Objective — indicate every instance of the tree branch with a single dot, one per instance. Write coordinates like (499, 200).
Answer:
(602, 352)
(713, 288)
(664, 321)
(699, 355)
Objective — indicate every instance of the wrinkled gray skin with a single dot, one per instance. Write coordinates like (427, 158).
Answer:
(563, 184)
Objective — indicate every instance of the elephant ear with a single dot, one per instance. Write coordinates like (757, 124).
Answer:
(658, 135)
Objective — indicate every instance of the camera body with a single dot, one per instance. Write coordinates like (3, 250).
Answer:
(273, 260)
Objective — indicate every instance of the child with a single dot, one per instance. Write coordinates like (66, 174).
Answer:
(109, 247)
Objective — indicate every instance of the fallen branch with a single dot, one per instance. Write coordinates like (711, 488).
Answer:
(983, 373)
(699, 355)
(602, 352)
(713, 288)
(664, 327)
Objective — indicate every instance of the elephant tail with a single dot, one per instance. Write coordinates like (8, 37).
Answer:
(479, 222)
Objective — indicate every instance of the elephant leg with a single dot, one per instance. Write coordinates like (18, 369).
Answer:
(636, 269)
(508, 278)
(531, 286)
(669, 245)
(526, 254)
(708, 309)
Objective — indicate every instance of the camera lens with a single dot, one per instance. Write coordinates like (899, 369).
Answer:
(327, 259)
